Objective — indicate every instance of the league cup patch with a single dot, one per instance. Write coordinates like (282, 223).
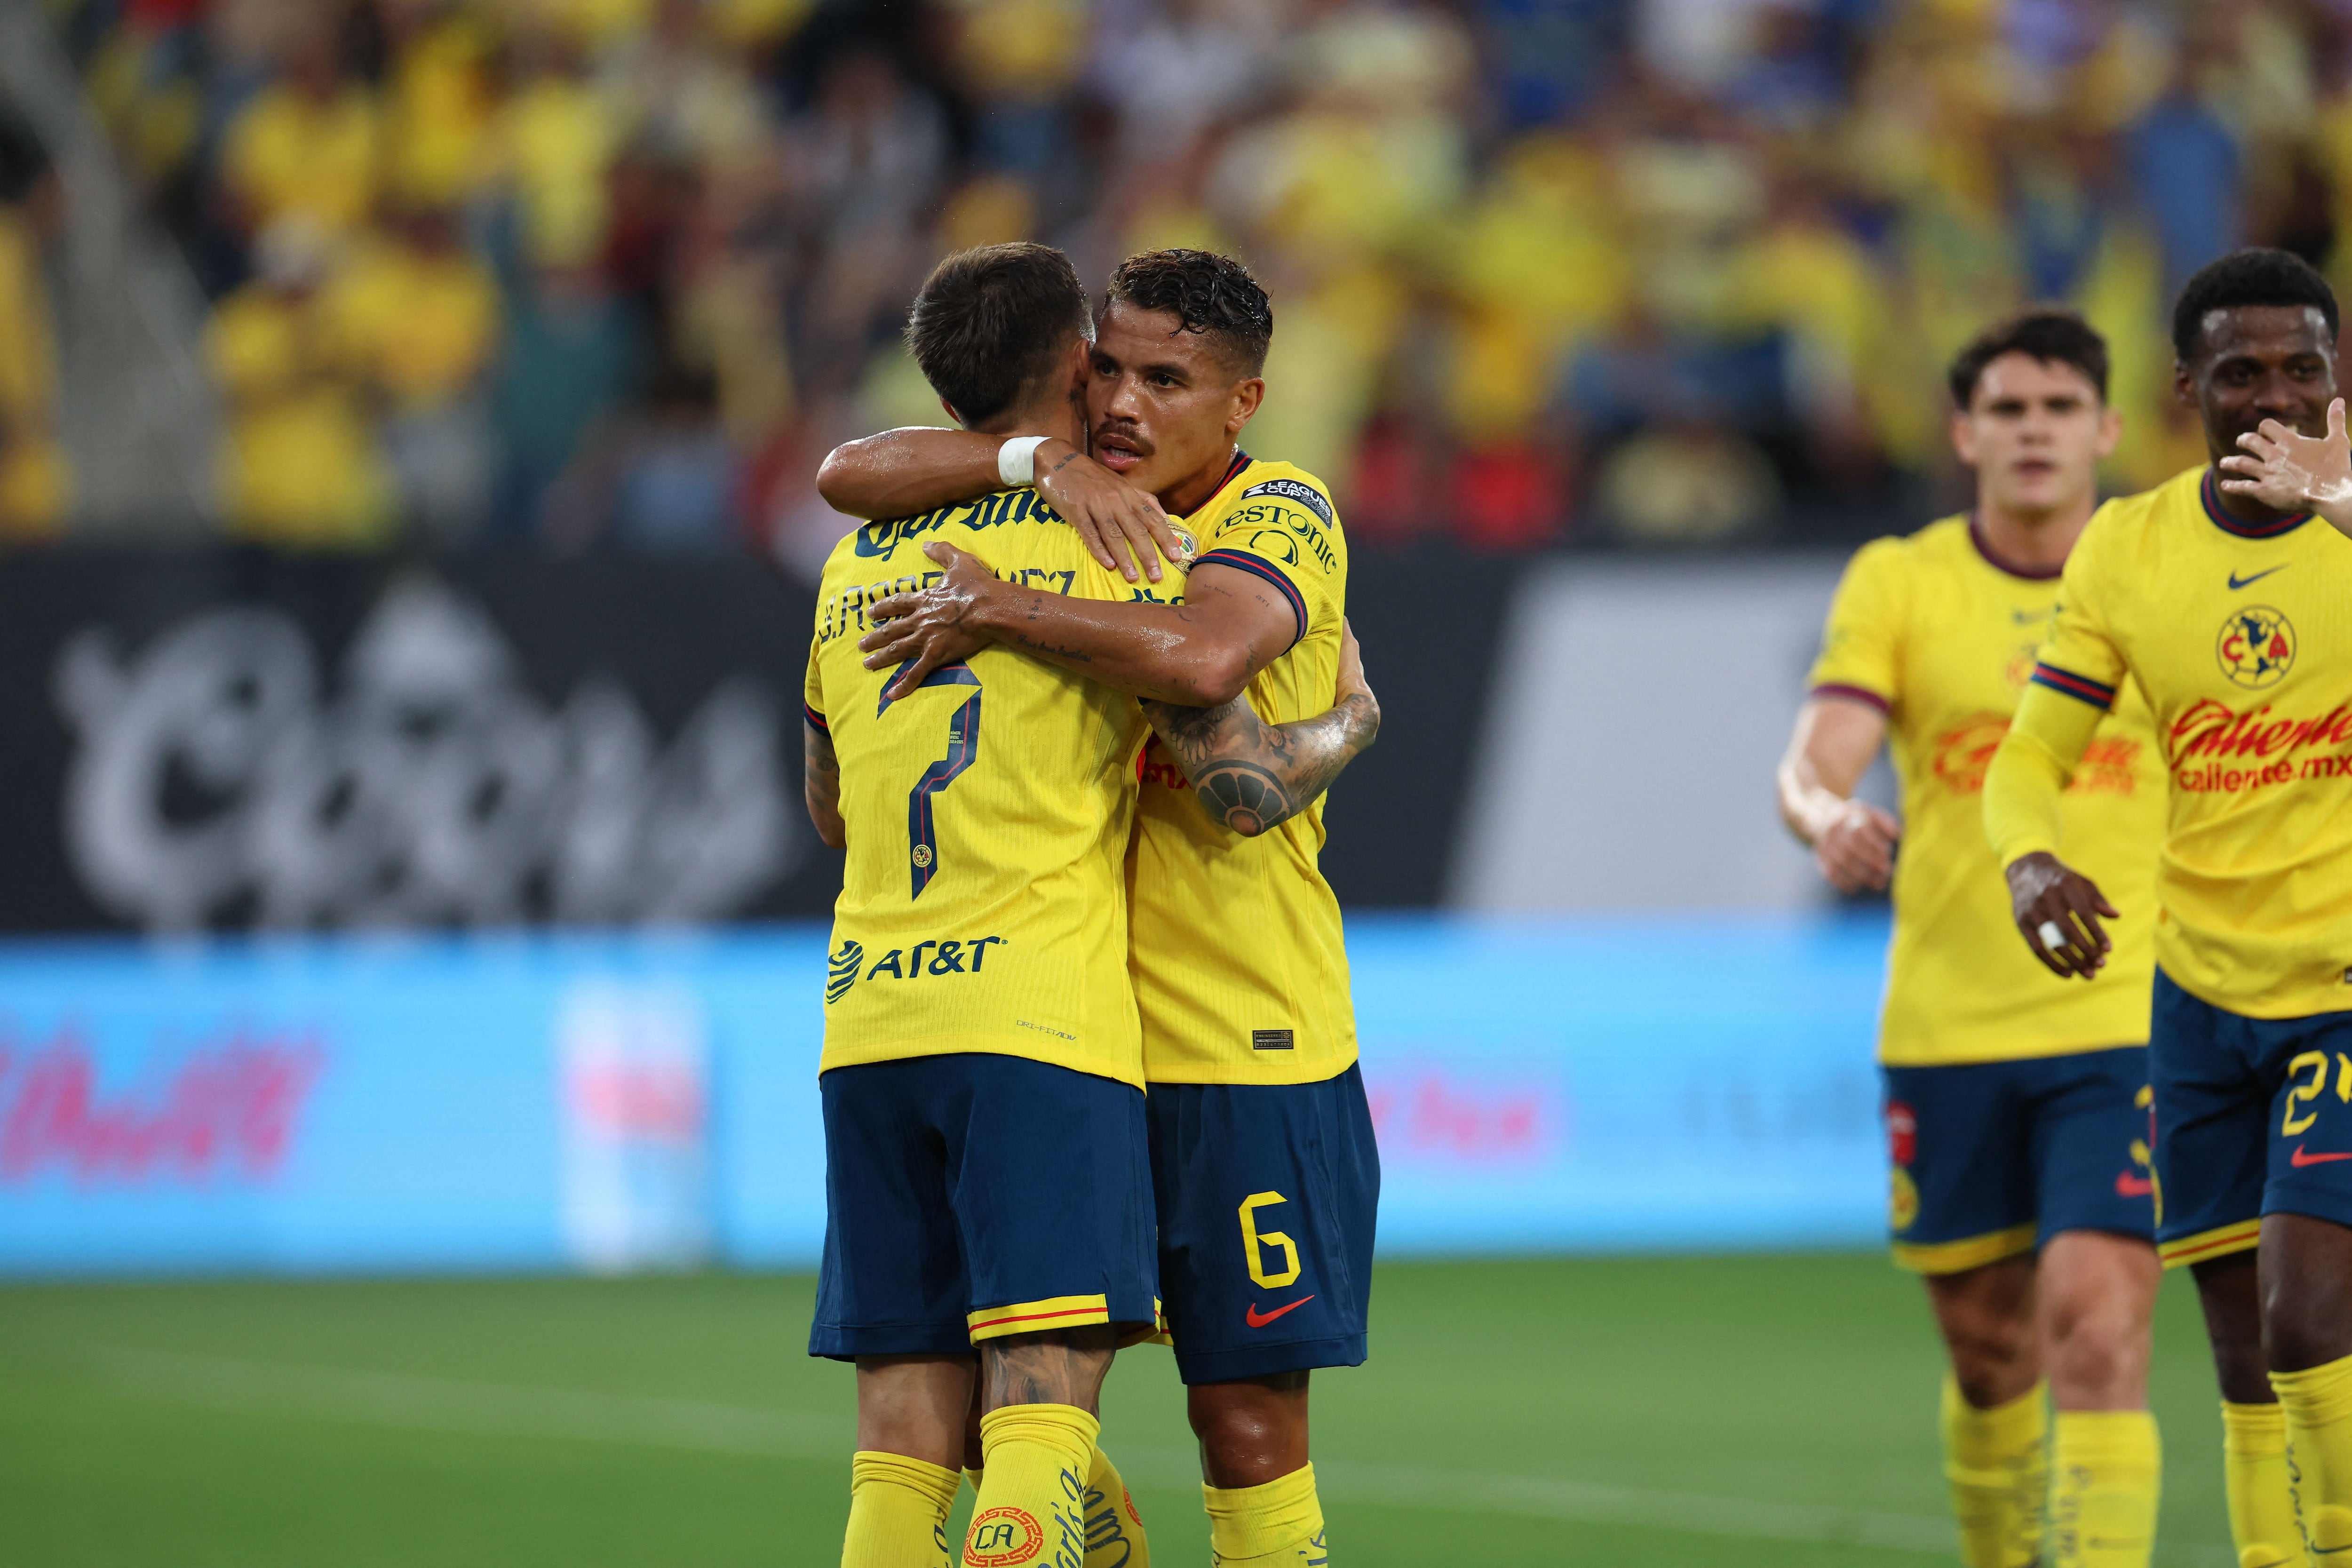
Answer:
(1291, 490)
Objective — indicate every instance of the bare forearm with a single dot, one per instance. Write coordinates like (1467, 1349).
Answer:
(1163, 653)
(907, 471)
(1249, 775)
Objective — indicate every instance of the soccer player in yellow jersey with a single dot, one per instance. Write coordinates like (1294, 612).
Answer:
(1264, 1171)
(916, 1275)
(2232, 612)
(987, 1181)
(2016, 1108)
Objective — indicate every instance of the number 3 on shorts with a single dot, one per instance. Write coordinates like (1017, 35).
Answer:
(1254, 1239)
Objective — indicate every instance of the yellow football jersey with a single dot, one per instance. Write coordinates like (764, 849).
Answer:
(984, 903)
(2241, 638)
(1239, 964)
(1940, 636)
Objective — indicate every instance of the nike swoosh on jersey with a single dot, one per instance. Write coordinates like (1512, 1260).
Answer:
(2302, 1157)
(2237, 581)
(1257, 1321)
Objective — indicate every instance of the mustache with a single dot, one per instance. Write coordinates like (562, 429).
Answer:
(1126, 430)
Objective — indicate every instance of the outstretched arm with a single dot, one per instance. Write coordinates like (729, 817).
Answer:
(1250, 775)
(914, 469)
(821, 786)
(1199, 654)
(2290, 471)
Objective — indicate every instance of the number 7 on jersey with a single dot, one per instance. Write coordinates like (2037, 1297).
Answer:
(963, 749)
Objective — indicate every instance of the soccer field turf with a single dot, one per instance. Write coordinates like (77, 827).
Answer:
(1761, 1410)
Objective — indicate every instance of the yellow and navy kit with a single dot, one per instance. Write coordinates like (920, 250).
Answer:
(1240, 969)
(983, 905)
(2241, 637)
(1940, 635)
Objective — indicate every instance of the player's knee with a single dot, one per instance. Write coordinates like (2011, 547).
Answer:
(2098, 1359)
(2301, 1331)
(1992, 1359)
(1252, 1432)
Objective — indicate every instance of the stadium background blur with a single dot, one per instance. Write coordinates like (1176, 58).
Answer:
(407, 418)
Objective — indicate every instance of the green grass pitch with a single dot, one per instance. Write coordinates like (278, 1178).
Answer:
(1768, 1411)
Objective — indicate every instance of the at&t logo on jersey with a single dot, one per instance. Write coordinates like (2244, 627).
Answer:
(2255, 646)
(929, 956)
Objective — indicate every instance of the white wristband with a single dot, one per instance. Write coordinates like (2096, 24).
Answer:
(1016, 460)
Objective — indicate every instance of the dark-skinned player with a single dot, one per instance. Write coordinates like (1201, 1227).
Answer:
(2233, 615)
(2016, 1106)
(1264, 1166)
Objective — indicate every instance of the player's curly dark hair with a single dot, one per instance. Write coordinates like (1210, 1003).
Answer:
(1211, 294)
(2048, 333)
(989, 321)
(2256, 276)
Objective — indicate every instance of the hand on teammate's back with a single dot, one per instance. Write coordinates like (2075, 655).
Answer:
(2051, 898)
(1856, 851)
(928, 629)
(2289, 471)
(1121, 524)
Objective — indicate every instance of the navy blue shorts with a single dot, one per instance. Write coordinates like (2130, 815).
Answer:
(972, 1195)
(2253, 1116)
(1992, 1159)
(1267, 1197)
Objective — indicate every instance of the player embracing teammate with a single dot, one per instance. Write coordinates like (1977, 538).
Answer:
(2222, 599)
(1262, 1167)
(2016, 1108)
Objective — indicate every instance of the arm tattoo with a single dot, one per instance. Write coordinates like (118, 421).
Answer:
(1250, 775)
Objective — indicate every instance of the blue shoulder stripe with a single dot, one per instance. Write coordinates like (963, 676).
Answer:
(2081, 688)
(1257, 565)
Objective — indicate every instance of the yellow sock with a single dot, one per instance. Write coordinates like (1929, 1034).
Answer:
(2106, 1466)
(2261, 1503)
(1114, 1530)
(1277, 1525)
(897, 1511)
(2318, 1408)
(1997, 1463)
(1031, 1506)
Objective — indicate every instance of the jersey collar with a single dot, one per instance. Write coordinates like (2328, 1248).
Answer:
(2209, 491)
(1240, 461)
(2001, 562)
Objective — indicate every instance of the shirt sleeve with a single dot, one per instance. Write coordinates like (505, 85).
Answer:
(2074, 683)
(1284, 533)
(2080, 661)
(1861, 652)
(813, 693)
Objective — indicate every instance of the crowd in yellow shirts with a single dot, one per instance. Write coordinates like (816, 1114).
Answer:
(1661, 270)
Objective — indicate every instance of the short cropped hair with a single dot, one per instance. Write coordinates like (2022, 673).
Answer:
(2047, 333)
(2256, 276)
(989, 322)
(1211, 294)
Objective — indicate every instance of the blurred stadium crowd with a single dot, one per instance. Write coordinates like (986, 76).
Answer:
(1645, 271)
